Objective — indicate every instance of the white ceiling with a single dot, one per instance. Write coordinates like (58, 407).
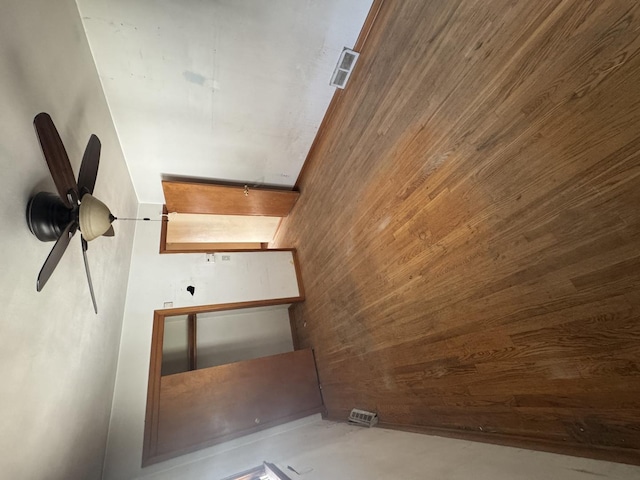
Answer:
(232, 90)
(57, 358)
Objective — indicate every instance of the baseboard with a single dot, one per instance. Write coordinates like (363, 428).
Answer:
(598, 452)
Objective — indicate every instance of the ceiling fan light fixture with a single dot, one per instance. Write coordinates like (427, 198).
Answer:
(94, 217)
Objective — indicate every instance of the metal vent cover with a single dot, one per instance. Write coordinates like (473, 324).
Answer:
(344, 67)
(362, 417)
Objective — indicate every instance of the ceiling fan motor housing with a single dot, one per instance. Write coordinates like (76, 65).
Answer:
(48, 216)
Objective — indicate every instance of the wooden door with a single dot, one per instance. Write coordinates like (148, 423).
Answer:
(190, 197)
(204, 407)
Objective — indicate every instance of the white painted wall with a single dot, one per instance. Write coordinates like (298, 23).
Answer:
(321, 450)
(175, 345)
(155, 279)
(227, 337)
(57, 358)
(227, 89)
(165, 278)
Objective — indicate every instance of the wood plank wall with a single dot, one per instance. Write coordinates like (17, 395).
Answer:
(469, 229)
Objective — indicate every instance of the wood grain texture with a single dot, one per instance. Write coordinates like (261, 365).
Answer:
(469, 231)
(220, 307)
(191, 197)
(208, 406)
(206, 247)
(150, 452)
(149, 449)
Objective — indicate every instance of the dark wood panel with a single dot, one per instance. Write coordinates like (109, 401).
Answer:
(468, 228)
(207, 406)
(191, 197)
(153, 390)
(151, 453)
(192, 341)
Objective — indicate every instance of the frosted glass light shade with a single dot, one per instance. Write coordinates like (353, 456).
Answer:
(95, 217)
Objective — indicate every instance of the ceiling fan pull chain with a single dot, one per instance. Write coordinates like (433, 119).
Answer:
(145, 219)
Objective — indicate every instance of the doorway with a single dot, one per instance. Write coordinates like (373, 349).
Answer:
(210, 339)
(219, 217)
(194, 409)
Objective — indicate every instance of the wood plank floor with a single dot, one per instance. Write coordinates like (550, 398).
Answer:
(469, 231)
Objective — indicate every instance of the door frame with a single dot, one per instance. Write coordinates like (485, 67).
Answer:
(149, 454)
(210, 247)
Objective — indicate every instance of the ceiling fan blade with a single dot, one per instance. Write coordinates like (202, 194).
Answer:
(85, 246)
(56, 157)
(55, 255)
(109, 233)
(89, 167)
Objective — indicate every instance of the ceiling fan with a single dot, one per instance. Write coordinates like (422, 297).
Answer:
(56, 218)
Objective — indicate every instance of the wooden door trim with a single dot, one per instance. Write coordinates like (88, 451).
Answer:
(163, 230)
(153, 389)
(296, 265)
(149, 450)
(294, 328)
(221, 307)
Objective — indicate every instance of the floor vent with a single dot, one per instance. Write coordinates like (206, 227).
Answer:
(343, 70)
(362, 417)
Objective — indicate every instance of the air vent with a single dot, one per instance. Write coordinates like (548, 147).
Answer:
(343, 70)
(362, 417)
